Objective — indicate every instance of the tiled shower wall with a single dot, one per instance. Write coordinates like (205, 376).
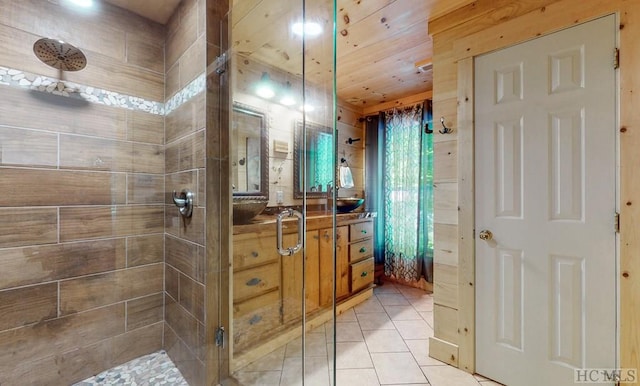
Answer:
(184, 332)
(82, 209)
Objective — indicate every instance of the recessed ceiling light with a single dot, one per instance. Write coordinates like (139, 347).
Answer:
(310, 28)
(82, 3)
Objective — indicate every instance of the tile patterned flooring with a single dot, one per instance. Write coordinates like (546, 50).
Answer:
(382, 341)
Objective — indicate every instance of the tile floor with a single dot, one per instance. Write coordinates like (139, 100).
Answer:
(383, 341)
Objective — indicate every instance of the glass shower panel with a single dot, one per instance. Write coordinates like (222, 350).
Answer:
(282, 134)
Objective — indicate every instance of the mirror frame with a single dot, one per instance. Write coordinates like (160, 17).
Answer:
(263, 193)
(297, 152)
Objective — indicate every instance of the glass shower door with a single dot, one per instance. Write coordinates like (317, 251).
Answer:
(282, 308)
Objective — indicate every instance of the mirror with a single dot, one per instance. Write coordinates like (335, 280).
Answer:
(249, 153)
(316, 156)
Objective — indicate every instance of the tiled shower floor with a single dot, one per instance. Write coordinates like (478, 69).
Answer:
(149, 370)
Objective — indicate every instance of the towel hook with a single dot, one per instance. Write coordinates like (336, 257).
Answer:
(445, 129)
(184, 202)
(350, 141)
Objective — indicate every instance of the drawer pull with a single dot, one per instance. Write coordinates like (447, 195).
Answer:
(363, 250)
(255, 319)
(253, 282)
(254, 254)
(364, 231)
(364, 274)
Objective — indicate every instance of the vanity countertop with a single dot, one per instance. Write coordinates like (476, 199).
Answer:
(266, 224)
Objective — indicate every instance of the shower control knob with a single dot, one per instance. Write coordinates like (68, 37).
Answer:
(486, 235)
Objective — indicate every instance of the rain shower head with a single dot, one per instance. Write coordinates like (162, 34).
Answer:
(60, 55)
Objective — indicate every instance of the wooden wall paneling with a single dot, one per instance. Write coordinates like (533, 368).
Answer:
(145, 311)
(466, 217)
(27, 305)
(445, 286)
(629, 140)
(445, 203)
(445, 247)
(445, 322)
(445, 161)
(31, 148)
(443, 351)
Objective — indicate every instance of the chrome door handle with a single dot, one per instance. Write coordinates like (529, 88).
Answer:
(291, 250)
(486, 235)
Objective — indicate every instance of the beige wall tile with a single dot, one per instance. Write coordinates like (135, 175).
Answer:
(60, 114)
(28, 226)
(181, 33)
(145, 311)
(145, 127)
(171, 281)
(102, 289)
(62, 188)
(183, 357)
(186, 257)
(192, 63)
(172, 81)
(28, 147)
(192, 153)
(186, 119)
(95, 222)
(28, 305)
(64, 368)
(143, 250)
(192, 229)
(192, 297)
(172, 157)
(137, 343)
(145, 188)
(148, 158)
(59, 335)
(37, 264)
(92, 153)
(145, 53)
(182, 323)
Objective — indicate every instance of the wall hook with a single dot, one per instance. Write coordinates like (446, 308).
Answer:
(350, 141)
(445, 129)
(184, 202)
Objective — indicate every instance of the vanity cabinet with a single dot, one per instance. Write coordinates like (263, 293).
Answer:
(361, 264)
(267, 287)
(256, 288)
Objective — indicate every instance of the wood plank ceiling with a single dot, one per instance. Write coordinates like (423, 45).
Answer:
(379, 42)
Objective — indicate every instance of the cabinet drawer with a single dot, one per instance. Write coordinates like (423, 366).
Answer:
(254, 251)
(361, 230)
(361, 274)
(360, 250)
(255, 281)
(254, 319)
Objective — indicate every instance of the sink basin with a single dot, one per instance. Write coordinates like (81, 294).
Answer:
(245, 210)
(348, 204)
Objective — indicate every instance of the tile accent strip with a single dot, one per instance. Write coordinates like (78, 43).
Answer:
(21, 79)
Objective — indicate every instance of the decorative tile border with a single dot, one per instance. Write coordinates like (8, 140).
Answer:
(17, 78)
(189, 91)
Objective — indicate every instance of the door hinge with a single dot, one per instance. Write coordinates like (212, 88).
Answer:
(220, 337)
(616, 223)
(616, 58)
(220, 64)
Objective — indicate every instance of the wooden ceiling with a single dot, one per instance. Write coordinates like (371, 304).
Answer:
(379, 42)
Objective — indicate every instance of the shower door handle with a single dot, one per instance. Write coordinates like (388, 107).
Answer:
(291, 250)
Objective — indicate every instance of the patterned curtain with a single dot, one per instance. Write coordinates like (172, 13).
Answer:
(408, 207)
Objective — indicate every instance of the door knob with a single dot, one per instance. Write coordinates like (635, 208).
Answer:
(486, 235)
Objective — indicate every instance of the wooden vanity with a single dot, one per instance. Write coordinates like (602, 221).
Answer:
(267, 287)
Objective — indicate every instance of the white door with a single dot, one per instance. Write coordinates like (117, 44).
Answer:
(545, 164)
